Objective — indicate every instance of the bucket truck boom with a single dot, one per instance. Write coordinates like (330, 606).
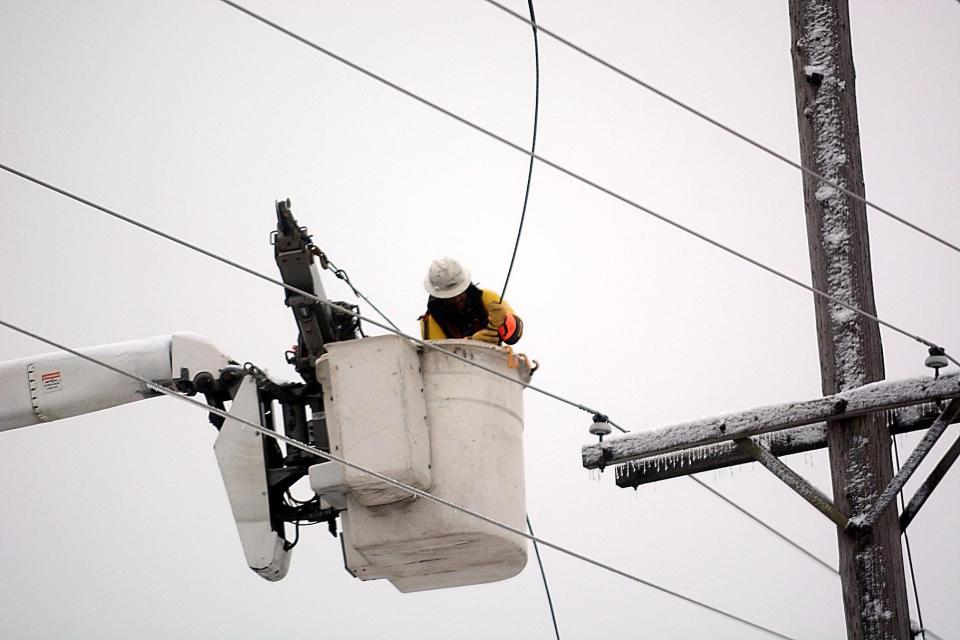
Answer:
(385, 403)
(257, 475)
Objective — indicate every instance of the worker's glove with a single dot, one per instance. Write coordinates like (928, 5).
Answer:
(496, 314)
(487, 335)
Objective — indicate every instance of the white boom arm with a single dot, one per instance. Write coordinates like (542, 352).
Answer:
(60, 385)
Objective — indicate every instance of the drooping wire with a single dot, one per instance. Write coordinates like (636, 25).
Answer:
(728, 129)
(513, 257)
(533, 145)
(906, 539)
(573, 174)
(326, 455)
(543, 575)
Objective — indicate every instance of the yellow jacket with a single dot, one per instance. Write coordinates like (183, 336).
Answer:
(510, 332)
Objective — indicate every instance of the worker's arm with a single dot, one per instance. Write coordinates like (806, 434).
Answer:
(508, 325)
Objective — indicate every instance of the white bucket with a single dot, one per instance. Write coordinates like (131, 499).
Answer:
(475, 425)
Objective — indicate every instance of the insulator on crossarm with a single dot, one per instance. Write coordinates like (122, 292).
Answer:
(936, 360)
(601, 426)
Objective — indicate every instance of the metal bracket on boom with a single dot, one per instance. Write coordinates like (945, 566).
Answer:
(318, 323)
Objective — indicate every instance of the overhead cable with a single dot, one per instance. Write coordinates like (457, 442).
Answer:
(546, 587)
(587, 181)
(513, 257)
(533, 145)
(391, 481)
(906, 540)
(289, 287)
(759, 521)
(766, 526)
(703, 116)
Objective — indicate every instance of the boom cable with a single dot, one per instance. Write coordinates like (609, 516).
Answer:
(580, 178)
(391, 481)
(713, 121)
(342, 275)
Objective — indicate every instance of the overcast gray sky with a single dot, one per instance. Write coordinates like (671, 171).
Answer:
(194, 118)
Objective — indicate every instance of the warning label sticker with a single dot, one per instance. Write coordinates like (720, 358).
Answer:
(51, 381)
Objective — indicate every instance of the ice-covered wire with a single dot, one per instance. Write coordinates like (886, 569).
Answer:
(289, 287)
(384, 478)
(713, 121)
(580, 178)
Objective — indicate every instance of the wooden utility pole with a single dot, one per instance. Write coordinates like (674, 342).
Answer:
(871, 563)
(857, 413)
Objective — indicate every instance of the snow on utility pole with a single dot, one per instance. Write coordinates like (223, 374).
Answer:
(858, 412)
(871, 563)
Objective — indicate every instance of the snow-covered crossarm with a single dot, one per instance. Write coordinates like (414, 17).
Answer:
(878, 396)
(780, 443)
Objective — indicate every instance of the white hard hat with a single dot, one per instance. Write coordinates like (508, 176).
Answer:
(446, 278)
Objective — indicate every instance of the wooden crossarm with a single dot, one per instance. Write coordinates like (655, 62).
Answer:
(878, 396)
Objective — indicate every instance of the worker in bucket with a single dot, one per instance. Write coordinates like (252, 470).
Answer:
(457, 308)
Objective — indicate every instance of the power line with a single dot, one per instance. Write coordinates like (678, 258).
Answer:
(792, 543)
(513, 257)
(768, 527)
(391, 481)
(703, 116)
(289, 287)
(906, 538)
(533, 145)
(546, 587)
(581, 178)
